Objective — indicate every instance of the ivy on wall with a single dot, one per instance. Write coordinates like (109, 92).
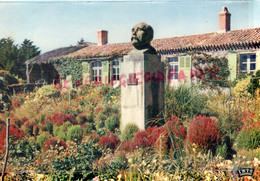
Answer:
(210, 71)
(69, 66)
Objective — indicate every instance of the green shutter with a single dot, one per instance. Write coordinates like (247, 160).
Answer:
(105, 72)
(85, 73)
(232, 64)
(185, 69)
(182, 63)
(257, 60)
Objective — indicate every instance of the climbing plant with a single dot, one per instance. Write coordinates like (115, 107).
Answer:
(69, 66)
(210, 71)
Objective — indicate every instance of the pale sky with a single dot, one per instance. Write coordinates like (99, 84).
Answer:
(55, 24)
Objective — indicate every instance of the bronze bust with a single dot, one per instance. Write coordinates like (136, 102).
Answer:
(142, 35)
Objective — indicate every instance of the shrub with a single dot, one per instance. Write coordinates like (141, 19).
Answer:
(204, 133)
(60, 132)
(112, 122)
(81, 119)
(93, 137)
(249, 137)
(184, 101)
(49, 126)
(9, 78)
(75, 133)
(60, 118)
(27, 127)
(16, 121)
(175, 127)
(110, 141)
(103, 114)
(55, 143)
(129, 131)
(14, 133)
(87, 128)
(242, 87)
(77, 166)
(35, 130)
(43, 137)
(47, 91)
(222, 150)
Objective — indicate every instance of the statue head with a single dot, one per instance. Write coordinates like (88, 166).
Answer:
(142, 35)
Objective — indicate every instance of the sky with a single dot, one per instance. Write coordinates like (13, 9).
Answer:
(55, 24)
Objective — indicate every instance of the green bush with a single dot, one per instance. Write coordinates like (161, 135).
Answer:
(129, 131)
(49, 126)
(77, 166)
(81, 119)
(111, 123)
(9, 78)
(108, 92)
(222, 150)
(249, 137)
(87, 128)
(102, 115)
(60, 132)
(75, 133)
(43, 137)
(47, 91)
(184, 101)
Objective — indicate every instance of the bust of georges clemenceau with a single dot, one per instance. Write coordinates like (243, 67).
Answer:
(142, 35)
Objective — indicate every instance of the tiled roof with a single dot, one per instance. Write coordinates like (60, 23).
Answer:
(231, 40)
(46, 57)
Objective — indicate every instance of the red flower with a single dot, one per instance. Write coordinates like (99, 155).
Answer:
(76, 106)
(77, 98)
(82, 97)
(20, 95)
(108, 131)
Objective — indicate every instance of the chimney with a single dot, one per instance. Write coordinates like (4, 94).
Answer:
(224, 20)
(102, 37)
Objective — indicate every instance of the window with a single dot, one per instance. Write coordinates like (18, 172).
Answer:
(247, 63)
(115, 70)
(97, 71)
(173, 67)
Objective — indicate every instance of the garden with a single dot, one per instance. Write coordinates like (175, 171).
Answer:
(60, 134)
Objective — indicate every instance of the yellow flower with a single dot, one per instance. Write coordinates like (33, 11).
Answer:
(40, 175)
(119, 176)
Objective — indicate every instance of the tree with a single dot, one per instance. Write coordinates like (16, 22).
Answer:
(8, 54)
(13, 57)
(26, 51)
(81, 41)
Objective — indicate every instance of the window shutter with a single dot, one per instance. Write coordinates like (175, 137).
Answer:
(257, 60)
(185, 69)
(85, 73)
(105, 72)
(232, 64)
(182, 62)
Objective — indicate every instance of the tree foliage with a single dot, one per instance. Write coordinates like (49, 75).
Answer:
(13, 57)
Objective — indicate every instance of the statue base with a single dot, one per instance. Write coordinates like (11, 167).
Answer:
(142, 96)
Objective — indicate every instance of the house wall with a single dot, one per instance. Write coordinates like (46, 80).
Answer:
(185, 69)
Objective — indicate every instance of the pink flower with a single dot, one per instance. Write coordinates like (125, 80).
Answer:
(108, 131)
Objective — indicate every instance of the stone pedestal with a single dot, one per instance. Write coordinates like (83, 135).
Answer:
(142, 95)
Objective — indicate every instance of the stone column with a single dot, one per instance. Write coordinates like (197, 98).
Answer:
(142, 97)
